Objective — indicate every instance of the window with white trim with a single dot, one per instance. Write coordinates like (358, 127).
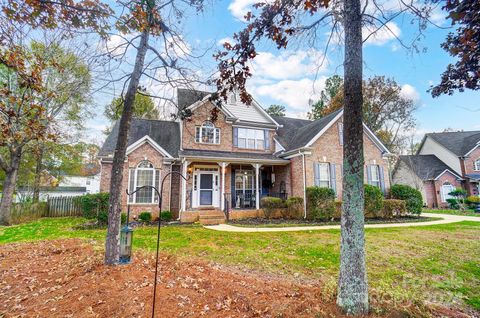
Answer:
(340, 133)
(375, 175)
(144, 174)
(207, 133)
(476, 165)
(446, 189)
(324, 174)
(251, 138)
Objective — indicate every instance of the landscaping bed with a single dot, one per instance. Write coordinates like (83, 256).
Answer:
(262, 222)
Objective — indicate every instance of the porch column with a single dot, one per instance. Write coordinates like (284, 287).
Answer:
(223, 165)
(257, 185)
(184, 186)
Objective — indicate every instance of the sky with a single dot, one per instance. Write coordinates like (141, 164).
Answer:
(293, 77)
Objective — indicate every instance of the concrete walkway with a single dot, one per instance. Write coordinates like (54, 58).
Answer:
(446, 218)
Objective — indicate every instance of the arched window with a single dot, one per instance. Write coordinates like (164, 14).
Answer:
(207, 133)
(476, 165)
(144, 174)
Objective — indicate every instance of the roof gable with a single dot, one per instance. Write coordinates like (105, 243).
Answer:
(427, 167)
(459, 143)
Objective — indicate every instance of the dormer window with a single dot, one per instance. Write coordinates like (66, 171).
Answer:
(207, 133)
(476, 165)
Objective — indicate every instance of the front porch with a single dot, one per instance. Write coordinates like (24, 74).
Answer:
(233, 188)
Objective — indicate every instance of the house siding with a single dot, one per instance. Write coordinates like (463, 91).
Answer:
(431, 147)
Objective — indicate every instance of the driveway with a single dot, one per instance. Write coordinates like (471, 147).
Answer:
(446, 219)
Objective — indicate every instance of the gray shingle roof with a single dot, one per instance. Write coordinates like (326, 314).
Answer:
(165, 133)
(186, 97)
(228, 154)
(426, 167)
(296, 133)
(459, 142)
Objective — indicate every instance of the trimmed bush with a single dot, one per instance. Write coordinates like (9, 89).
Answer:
(453, 204)
(373, 201)
(338, 210)
(320, 203)
(411, 196)
(145, 216)
(394, 207)
(95, 204)
(270, 205)
(294, 208)
(123, 217)
(166, 216)
(473, 201)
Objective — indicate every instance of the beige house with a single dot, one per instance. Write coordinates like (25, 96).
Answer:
(233, 156)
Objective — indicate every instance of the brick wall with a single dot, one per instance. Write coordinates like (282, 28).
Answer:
(144, 152)
(203, 113)
(468, 168)
(446, 177)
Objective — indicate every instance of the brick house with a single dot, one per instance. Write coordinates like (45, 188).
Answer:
(234, 159)
(445, 161)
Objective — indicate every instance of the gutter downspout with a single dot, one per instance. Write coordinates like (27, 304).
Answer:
(304, 187)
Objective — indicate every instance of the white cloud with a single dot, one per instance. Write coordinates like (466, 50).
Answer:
(287, 65)
(295, 94)
(227, 39)
(410, 92)
(238, 8)
(116, 44)
(380, 36)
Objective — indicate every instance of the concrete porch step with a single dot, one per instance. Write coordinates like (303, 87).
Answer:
(212, 216)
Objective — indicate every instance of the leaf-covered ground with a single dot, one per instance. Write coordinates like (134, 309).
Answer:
(410, 269)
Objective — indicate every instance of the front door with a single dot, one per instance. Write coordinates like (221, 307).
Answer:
(206, 188)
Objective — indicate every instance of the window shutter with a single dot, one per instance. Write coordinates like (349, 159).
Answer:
(217, 135)
(316, 172)
(266, 139)
(197, 134)
(369, 174)
(156, 183)
(340, 133)
(235, 136)
(381, 176)
(131, 184)
(333, 178)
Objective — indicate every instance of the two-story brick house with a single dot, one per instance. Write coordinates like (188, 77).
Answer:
(233, 155)
(445, 161)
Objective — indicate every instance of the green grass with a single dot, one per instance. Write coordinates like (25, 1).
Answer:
(454, 212)
(438, 263)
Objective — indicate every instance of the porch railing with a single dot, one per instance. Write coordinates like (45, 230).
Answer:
(247, 199)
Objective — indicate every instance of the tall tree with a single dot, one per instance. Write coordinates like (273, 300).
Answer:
(283, 20)
(276, 110)
(462, 44)
(143, 107)
(333, 86)
(386, 110)
(149, 27)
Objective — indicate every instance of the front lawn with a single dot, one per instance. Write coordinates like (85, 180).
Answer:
(439, 264)
(454, 212)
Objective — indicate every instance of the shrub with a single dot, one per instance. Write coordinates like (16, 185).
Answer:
(412, 197)
(102, 217)
(294, 208)
(320, 203)
(473, 201)
(373, 201)
(166, 216)
(145, 216)
(270, 205)
(393, 207)
(95, 204)
(453, 204)
(338, 210)
(123, 218)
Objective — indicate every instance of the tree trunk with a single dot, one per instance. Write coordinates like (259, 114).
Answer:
(352, 286)
(112, 247)
(38, 173)
(9, 188)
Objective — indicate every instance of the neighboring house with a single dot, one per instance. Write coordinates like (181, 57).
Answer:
(68, 186)
(233, 156)
(444, 162)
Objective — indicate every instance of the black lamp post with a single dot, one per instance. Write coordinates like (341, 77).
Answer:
(160, 197)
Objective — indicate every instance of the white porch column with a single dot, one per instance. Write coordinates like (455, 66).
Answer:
(184, 186)
(223, 165)
(257, 185)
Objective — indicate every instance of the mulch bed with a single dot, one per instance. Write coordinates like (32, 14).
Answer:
(67, 278)
(264, 221)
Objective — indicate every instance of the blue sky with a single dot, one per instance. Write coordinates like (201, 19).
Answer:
(290, 77)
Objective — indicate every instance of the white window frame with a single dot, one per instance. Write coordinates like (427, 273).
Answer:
(476, 165)
(323, 178)
(375, 182)
(199, 133)
(258, 143)
(446, 196)
(135, 182)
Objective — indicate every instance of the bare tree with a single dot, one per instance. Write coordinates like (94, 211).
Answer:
(163, 60)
